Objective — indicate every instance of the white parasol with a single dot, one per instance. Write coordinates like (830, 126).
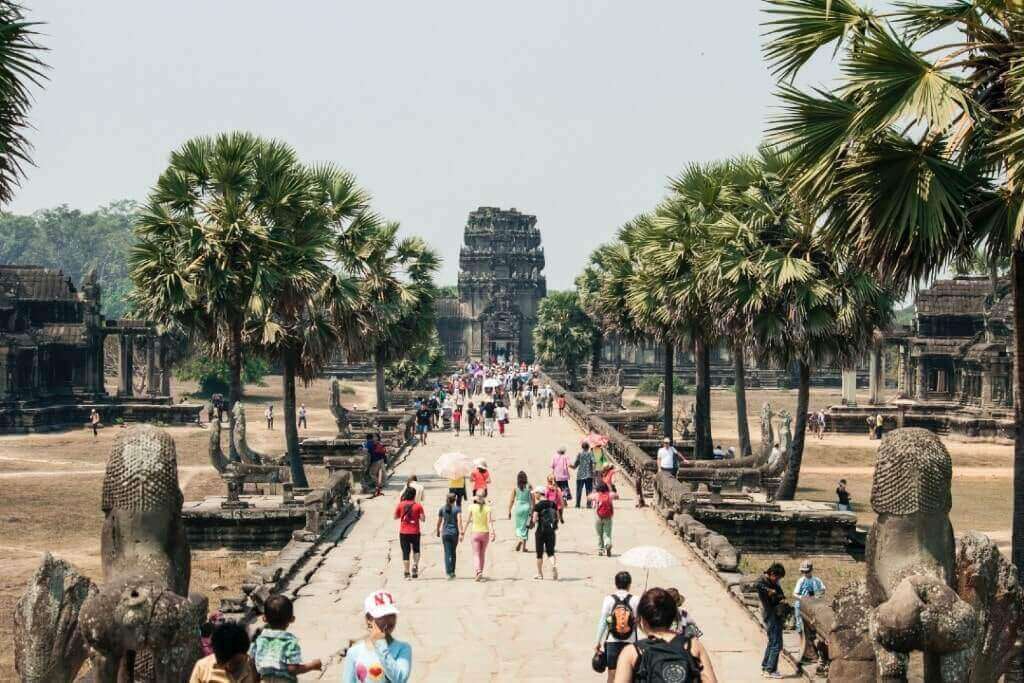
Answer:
(491, 383)
(453, 465)
(648, 557)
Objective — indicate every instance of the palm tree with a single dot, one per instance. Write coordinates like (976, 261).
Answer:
(917, 154)
(21, 68)
(205, 258)
(396, 297)
(309, 210)
(564, 334)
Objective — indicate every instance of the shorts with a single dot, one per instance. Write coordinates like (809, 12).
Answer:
(422, 429)
(545, 543)
(409, 542)
(375, 467)
(612, 650)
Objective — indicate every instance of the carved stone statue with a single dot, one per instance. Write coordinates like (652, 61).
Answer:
(767, 432)
(138, 625)
(908, 600)
(248, 455)
(340, 412)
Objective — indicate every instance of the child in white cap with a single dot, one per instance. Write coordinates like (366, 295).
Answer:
(379, 657)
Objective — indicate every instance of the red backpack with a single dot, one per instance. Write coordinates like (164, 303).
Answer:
(604, 505)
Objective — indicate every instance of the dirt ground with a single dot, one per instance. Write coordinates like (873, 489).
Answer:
(52, 484)
(982, 472)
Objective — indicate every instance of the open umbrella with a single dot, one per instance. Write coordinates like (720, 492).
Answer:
(648, 557)
(491, 383)
(453, 465)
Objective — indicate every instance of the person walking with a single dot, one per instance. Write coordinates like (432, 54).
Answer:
(449, 521)
(616, 626)
(481, 521)
(560, 468)
(377, 453)
(545, 519)
(269, 414)
(549, 399)
(410, 514)
(481, 478)
(379, 656)
(584, 466)
(519, 405)
(489, 410)
(423, 419)
(302, 416)
(94, 422)
(604, 510)
(520, 505)
(809, 586)
(668, 457)
(528, 403)
(471, 418)
(501, 413)
(664, 654)
(842, 497)
(275, 652)
(773, 614)
(553, 492)
(561, 405)
(457, 419)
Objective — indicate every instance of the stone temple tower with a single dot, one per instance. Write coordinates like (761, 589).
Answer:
(501, 282)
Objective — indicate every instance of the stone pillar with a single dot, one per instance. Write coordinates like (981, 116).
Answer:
(849, 377)
(164, 371)
(36, 383)
(127, 366)
(874, 376)
(99, 366)
(986, 386)
(6, 372)
(152, 378)
(922, 380)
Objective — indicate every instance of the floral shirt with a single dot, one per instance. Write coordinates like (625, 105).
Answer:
(272, 652)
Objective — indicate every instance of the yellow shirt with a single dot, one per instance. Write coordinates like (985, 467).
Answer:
(457, 483)
(207, 670)
(480, 516)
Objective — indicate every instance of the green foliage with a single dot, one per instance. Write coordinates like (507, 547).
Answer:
(75, 242)
(425, 362)
(637, 403)
(214, 376)
(21, 67)
(448, 292)
(650, 384)
(564, 334)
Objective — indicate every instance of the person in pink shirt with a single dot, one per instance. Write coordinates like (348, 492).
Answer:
(560, 469)
(554, 493)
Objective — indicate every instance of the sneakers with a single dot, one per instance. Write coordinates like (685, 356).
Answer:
(770, 674)
(415, 572)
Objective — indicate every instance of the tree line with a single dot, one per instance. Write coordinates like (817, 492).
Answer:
(247, 251)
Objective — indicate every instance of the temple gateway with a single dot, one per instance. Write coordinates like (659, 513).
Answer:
(501, 283)
(52, 361)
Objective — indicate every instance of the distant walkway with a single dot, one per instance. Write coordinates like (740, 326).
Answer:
(510, 627)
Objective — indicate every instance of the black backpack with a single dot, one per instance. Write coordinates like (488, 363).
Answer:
(670, 662)
(547, 520)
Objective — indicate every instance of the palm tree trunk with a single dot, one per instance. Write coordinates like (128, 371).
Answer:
(742, 426)
(787, 490)
(595, 352)
(666, 390)
(702, 445)
(382, 390)
(1017, 534)
(291, 431)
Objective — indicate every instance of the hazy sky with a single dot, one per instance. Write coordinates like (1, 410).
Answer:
(576, 112)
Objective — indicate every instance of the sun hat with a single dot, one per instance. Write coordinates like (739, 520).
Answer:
(806, 566)
(480, 462)
(666, 440)
(380, 604)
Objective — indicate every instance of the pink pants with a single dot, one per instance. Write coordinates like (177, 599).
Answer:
(480, 541)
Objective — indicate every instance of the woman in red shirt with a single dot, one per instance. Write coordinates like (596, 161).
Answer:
(410, 514)
(481, 478)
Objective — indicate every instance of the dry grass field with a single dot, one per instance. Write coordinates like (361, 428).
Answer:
(52, 484)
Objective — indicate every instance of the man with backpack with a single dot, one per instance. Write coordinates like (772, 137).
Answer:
(545, 519)
(664, 656)
(616, 627)
(604, 510)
